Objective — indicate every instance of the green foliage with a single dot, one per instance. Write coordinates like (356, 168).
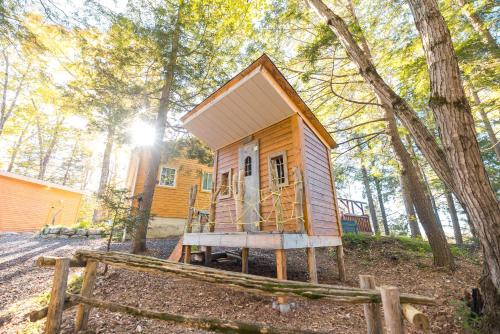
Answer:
(416, 245)
(187, 147)
(465, 319)
(83, 224)
(119, 211)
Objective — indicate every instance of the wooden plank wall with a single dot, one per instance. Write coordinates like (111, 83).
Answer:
(26, 206)
(275, 138)
(318, 178)
(173, 202)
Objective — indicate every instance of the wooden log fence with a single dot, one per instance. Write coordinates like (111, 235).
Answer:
(372, 311)
(395, 304)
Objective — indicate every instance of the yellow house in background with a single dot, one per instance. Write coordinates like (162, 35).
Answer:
(170, 200)
(27, 204)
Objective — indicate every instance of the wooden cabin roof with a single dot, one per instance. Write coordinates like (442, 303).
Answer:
(258, 97)
(46, 184)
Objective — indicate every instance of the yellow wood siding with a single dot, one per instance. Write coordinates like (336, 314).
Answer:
(27, 206)
(304, 149)
(172, 202)
(276, 138)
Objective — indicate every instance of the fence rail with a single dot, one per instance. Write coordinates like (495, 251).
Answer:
(394, 303)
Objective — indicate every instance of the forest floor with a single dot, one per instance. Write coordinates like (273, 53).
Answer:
(400, 262)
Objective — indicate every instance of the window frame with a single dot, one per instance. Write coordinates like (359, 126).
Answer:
(245, 165)
(270, 157)
(175, 177)
(229, 171)
(212, 181)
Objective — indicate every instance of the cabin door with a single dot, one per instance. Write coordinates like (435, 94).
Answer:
(249, 166)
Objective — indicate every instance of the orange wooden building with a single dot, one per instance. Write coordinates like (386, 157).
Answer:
(27, 204)
(258, 126)
(170, 200)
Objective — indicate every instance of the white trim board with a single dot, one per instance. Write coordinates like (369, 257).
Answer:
(261, 240)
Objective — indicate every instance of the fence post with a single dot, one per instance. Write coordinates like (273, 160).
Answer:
(83, 311)
(372, 310)
(57, 295)
(392, 310)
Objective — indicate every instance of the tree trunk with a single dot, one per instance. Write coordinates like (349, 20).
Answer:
(487, 125)
(139, 242)
(423, 179)
(432, 199)
(106, 158)
(459, 164)
(364, 172)
(369, 198)
(409, 208)
(382, 206)
(396, 142)
(386, 96)
(477, 23)
(70, 161)
(47, 155)
(16, 147)
(434, 232)
(454, 219)
(3, 106)
(469, 223)
(6, 112)
(452, 112)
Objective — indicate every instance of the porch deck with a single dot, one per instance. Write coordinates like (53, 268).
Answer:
(263, 240)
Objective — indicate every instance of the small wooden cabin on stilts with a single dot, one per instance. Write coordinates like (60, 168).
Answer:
(273, 186)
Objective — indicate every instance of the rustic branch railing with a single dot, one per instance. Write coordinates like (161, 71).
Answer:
(249, 283)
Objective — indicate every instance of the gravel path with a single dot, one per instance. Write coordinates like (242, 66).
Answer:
(21, 280)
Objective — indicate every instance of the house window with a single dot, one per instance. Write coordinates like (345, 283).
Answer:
(225, 184)
(206, 182)
(167, 177)
(277, 161)
(248, 166)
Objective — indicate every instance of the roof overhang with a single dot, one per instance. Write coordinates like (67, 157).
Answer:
(40, 182)
(255, 99)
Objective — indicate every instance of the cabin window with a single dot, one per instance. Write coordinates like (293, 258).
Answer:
(248, 166)
(167, 177)
(277, 161)
(225, 184)
(206, 182)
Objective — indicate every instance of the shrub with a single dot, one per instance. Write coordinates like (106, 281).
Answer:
(465, 319)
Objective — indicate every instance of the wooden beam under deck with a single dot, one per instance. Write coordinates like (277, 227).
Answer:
(263, 240)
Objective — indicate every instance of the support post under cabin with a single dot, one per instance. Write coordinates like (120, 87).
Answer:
(372, 310)
(83, 311)
(340, 262)
(311, 264)
(57, 295)
(283, 305)
(189, 223)
(244, 260)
